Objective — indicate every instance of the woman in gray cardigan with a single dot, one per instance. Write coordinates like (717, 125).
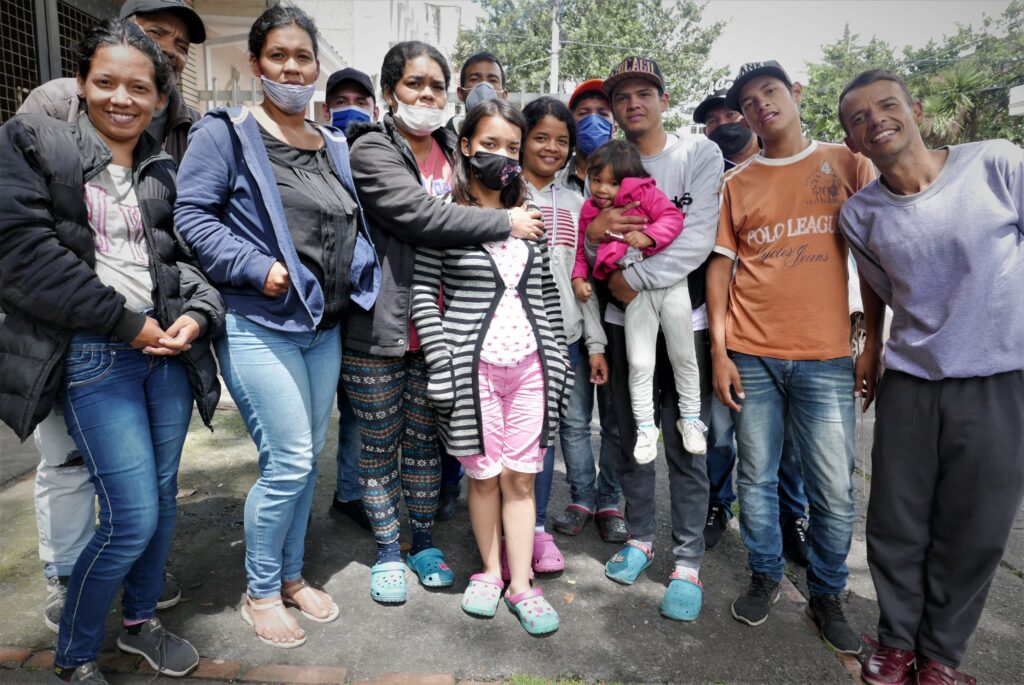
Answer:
(497, 369)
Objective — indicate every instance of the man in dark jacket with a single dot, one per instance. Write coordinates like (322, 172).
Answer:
(65, 498)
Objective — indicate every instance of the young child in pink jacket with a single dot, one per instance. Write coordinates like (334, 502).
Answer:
(617, 178)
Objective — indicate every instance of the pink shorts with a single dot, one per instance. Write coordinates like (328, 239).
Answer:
(513, 401)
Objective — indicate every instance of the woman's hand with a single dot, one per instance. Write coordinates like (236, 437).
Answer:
(149, 336)
(526, 223)
(178, 338)
(277, 282)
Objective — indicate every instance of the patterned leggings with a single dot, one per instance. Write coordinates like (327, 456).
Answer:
(389, 399)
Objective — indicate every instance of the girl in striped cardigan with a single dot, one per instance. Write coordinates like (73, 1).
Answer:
(498, 374)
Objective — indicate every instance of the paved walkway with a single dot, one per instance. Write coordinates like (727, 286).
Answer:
(609, 632)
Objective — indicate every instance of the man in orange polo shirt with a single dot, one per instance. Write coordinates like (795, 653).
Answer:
(780, 342)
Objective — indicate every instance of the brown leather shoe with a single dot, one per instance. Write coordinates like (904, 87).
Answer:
(886, 665)
(932, 672)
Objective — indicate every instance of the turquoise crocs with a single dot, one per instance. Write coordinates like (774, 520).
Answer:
(482, 595)
(430, 567)
(387, 582)
(683, 598)
(533, 611)
(628, 563)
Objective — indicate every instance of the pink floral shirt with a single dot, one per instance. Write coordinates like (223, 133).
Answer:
(510, 337)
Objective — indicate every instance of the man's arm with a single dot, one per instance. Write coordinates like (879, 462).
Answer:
(725, 376)
(694, 244)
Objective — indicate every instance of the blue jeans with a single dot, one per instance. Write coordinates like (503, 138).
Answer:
(722, 461)
(575, 436)
(128, 414)
(815, 400)
(542, 483)
(284, 385)
(346, 486)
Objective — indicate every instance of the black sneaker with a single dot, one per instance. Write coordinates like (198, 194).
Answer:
(794, 541)
(447, 501)
(86, 674)
(57, 587)
(752, 606)
(353, 510)
(718, 521)
(171, 594)
(827, 613)
(166, 652)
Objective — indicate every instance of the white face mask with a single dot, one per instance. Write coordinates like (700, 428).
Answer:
(288, 98)
(419, 121)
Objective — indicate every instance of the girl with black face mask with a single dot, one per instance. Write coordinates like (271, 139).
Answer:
(498, 373)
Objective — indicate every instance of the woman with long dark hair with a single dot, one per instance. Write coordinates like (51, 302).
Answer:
(403, 170)
(267, 202)
(498, 375)
(107, 314)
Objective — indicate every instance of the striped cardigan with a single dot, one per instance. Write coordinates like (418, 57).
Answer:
(451, 342)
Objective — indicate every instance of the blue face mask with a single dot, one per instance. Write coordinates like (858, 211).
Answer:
(592, 131)
(341, 117)
(480, 93)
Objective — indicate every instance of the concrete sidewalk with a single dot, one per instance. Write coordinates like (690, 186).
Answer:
(608, 632)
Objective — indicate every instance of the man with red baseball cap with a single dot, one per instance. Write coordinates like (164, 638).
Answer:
(594, 127)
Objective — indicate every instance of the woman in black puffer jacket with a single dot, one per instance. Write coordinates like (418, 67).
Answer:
(106, 314)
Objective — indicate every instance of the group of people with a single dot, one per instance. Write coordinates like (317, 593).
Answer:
(467, 291)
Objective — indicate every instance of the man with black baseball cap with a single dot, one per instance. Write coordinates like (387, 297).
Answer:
(687, 169)
(778, 307)
(64, 496)
(349, 98)
(174, 27)
(726, 128)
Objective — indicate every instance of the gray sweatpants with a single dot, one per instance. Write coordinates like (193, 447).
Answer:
(669, 310)
(947, 479)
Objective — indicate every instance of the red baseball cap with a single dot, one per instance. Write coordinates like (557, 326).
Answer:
(594, 85)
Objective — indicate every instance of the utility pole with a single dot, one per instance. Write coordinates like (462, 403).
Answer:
(555, 44)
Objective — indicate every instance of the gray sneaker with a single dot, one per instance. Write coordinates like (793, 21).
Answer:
(166, 652)
(57, 587)
(171, 594)
(86, 674)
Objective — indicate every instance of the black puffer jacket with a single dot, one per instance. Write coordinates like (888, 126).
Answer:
(403, 215)
(48, 285)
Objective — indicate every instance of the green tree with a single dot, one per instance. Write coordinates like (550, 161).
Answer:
(841, 61)
(595, 35)
(963, 80)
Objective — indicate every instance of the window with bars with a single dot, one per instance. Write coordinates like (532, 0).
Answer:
(72, 23)
(19, 69)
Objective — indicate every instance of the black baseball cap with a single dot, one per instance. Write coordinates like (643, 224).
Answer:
(196, 28)
(752, 70)
(634, 67)
(349, 74)
(713, 101)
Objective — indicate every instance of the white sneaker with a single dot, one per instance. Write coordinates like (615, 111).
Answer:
(646, 444)
(693, 432)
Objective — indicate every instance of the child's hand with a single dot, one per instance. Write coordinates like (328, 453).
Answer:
(598, 369)
(581, 289)
(638, 239)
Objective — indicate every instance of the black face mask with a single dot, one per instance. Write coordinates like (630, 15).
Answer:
(731, 138)
(495, 171)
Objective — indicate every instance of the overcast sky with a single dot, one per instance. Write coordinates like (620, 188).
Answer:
(793, 31)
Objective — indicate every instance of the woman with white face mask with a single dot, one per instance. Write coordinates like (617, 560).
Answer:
(402, 169)
(268, 205)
